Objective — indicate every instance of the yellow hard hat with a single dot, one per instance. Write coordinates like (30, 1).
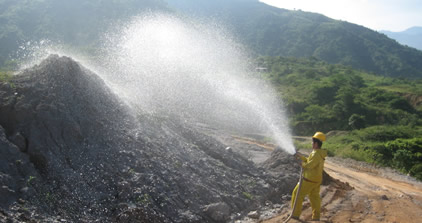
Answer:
(320, 136)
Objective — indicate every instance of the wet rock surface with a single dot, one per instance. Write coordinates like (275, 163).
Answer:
(72, 151)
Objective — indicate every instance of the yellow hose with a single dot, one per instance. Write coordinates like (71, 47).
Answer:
(297, 193)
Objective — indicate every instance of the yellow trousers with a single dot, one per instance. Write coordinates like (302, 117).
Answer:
(312, 190)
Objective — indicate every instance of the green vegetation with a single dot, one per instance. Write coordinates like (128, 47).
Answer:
(248, 195)
(30, 180)
(131, 171)
(144, 199)
(398, 147)
(377, 119)
(5, 76)
(50, 198)
(322, 96)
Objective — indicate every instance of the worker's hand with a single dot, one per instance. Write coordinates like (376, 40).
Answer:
(298, 155)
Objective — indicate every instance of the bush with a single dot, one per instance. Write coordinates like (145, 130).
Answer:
(403, 160)
(406, 154)
(403, 154)
(416, 171)
(402, 104)
(5, 76)
(380, 154)
(387, 133)
(357, 121)
(323, 92)
(356, 154)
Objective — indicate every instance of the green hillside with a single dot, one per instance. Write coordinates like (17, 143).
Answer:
(367, 117)
(79, 23)
(325, 96)
(278, 32)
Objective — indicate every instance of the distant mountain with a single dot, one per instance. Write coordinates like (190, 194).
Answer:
(411, 37)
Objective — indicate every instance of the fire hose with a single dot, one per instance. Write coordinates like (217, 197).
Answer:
(297, 195)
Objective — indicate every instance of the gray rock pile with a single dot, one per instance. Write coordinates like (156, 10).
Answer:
(72, 151)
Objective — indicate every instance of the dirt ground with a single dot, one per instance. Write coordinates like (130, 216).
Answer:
(360, 192)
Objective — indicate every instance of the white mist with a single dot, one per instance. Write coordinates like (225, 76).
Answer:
(163, 64)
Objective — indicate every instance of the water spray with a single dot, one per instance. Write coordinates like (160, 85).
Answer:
(162, 64)
(196, 70)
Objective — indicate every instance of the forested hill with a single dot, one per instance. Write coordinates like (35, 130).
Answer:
(278, 32)
(264, 29)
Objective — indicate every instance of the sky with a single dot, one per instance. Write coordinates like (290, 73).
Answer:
(391, 15)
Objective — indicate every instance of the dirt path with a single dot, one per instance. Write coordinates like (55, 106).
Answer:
(371, 197)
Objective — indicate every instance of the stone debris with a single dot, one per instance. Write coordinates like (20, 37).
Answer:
(72, 151)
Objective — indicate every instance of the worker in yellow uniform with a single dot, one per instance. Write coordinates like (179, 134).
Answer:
(311, 178)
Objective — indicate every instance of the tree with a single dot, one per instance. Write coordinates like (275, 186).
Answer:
(323, 93)
(345, 100)
(357, 121)
(402, 104)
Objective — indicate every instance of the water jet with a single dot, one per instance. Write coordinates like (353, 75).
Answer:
(163, 64)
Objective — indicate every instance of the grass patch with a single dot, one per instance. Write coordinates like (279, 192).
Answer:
(7, 77)
(248, 195)
(302, 145)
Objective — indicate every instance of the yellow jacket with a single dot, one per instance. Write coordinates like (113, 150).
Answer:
(314, 165)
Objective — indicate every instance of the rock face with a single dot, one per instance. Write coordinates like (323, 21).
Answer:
(71, 150)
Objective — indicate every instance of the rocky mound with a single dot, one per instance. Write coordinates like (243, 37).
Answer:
(71, 150)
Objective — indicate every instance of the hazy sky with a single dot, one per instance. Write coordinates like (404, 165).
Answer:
(392, 15)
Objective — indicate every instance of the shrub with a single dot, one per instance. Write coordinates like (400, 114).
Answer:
(357, 121)
(406, 153)
(403, 160)
(386, 133)
(402, 104)
(380, 154)
(416, 171)
(5, 76)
